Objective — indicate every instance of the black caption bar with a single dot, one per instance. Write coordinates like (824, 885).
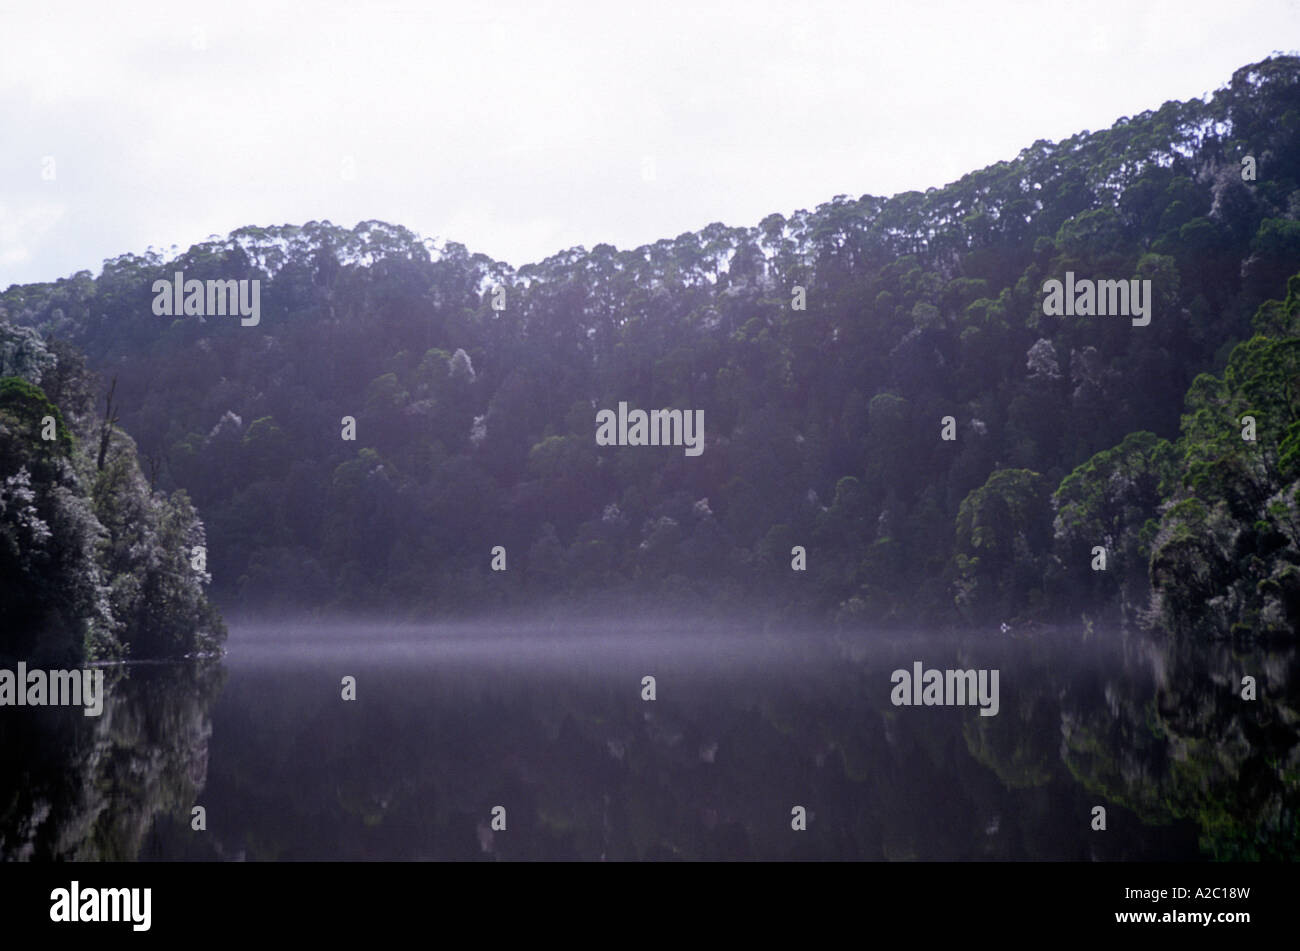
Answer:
(333, 899)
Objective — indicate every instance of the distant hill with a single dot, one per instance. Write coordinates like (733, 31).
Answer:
(474, 388)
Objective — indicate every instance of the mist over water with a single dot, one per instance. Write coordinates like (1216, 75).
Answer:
(548, 721)
(603, 647)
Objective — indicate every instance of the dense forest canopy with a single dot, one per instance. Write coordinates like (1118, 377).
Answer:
(474, 387)
(94, 563)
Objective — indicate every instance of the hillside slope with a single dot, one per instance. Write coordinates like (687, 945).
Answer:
(823, 422)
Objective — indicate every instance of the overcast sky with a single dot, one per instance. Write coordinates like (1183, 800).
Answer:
(520, 129)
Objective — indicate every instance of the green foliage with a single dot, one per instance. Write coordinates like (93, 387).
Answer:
(1110, 502)
(23, 353)
(93, 564)
(475, 426)
(25, 408)
(1227, 549)
(1001, 539)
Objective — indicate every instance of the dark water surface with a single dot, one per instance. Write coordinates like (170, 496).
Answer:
(549, 723)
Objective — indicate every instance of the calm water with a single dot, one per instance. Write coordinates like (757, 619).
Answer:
(450, 722)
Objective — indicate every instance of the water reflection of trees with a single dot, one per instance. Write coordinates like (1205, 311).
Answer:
(1155, 732)
(712, 768)
(1175, 740)
(90, 788)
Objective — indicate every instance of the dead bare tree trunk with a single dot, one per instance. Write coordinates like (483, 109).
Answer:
(106, 427)
(155, 464)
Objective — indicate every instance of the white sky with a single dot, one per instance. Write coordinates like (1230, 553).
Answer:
(520, 129)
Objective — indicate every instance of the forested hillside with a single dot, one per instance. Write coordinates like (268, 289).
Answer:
(94, 564)
(475, 388)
